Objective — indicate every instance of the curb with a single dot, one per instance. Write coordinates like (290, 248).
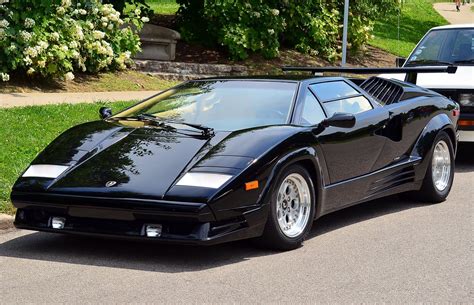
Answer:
(6, 222)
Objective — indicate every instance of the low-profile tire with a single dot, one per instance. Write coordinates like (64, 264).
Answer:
(440, 173)
(291, 211)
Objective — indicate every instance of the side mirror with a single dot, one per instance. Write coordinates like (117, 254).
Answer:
(341, 120)
(400, 61)
(105, 112)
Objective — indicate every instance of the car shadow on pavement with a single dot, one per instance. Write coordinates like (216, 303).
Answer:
(155, 257)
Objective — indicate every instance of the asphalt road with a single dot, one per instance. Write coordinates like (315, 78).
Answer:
(385, 251)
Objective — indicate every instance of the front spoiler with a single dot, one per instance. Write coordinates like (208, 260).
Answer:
(180, 225)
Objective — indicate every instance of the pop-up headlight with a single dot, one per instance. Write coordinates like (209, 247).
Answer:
(44, 171)
(209, 180)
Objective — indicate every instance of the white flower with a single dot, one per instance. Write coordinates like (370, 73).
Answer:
(60, 10)
(25, 36)
(75, 54)
(114, 17)
(145, 19)
(11, 48)
(104, 19)
(275, 12)
(41, 63)
(43, 45)
(127, 54)
(29, 23)
(4, 23)
(27, 61)
(69, 76)
(95, 10)
(98, 34)
(54, 36)
(2, 33)
(271, 31)
(106, 9)
(5, 77)
(73, 45)
(104, 24)
(82, 12)
(66, 3)
(110, 27)
(31, 52)
(138, 11)
(64, 48)
(30, 71)
(256, 14)
(4, 1)
(90, 25)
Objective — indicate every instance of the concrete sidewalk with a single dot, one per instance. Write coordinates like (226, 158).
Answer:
(27, 99)
(448, 11)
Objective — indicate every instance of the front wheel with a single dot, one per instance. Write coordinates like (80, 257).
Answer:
(292, 209)
(440, 174)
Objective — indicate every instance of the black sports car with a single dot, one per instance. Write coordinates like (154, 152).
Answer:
(223, 159)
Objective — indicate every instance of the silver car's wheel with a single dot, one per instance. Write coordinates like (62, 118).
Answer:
(293, 206)
(441, 166)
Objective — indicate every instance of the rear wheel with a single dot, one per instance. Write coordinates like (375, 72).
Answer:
(440, 174)
(292, 210)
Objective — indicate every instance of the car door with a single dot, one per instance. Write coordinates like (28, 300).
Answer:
(350, 152)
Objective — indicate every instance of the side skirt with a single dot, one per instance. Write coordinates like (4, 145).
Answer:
(401, 177)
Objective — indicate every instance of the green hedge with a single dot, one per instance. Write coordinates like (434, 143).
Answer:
(262, 26)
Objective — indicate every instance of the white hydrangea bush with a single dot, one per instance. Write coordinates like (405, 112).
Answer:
(58, 38)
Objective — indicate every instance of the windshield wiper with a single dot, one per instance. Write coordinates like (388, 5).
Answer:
(465, 61)
(157, 122)
(205, 131)
(428, 62)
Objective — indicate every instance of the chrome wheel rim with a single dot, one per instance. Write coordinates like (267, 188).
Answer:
(293, 205)
(441, 166)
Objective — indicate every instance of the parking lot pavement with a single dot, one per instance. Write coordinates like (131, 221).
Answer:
(384, 251)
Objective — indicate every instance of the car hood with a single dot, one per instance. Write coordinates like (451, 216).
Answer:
(112, 160)
(462, 79)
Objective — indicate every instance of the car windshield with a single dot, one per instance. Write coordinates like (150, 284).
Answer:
(225, 105)
(442, 47)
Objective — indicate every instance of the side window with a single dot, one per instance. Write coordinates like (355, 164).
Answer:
(350, 105)
(333, 90)
(312, 113)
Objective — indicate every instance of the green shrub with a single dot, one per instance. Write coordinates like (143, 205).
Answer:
(58, 37)
(312, 26)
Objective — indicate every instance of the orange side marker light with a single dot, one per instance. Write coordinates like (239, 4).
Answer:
(466, 123)
(251, 185)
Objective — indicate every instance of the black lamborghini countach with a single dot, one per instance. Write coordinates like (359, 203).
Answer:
(222, 159)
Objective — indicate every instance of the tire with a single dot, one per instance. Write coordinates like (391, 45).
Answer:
(289, 221)
(438, 179)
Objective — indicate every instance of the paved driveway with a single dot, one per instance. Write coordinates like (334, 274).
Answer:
(448, 11)
(384, 251)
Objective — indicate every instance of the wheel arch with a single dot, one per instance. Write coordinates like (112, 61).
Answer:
(309, 159)
(425, 143)
(438, 123)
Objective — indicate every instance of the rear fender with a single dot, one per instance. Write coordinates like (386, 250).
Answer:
(424, 145)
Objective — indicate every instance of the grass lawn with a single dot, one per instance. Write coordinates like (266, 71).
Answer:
(416, 18)
(163, 7)
(112, 81)
(26, 131)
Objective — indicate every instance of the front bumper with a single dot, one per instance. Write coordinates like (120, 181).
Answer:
(183, 223)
